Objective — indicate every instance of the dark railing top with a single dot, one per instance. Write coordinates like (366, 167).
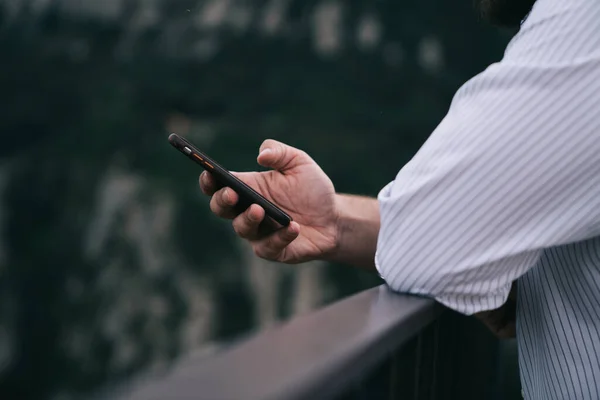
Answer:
(312, 356)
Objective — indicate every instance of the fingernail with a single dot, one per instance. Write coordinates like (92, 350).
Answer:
(226, 196)
(252, 216)
(293, 229)
(265, 151)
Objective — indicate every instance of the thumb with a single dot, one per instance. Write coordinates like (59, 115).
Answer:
(280, 156)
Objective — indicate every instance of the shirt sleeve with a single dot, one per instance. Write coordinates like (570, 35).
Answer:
(513, 169)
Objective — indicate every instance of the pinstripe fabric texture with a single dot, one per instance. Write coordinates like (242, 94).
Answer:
(508, 188)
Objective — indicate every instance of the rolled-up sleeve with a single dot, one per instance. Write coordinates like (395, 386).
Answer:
(513, 169)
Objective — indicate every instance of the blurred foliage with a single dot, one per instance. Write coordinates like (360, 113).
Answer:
(83, 96)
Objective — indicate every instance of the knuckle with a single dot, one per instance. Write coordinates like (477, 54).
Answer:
(205, 184)
(214, 207)
(278, 147)
(217, 206)
(267, 143)
(236, 228)
(258, 251)
(248, 218)
(222, 197)
(227, 197)
(303, 154)
(262, 251)
(240, 229)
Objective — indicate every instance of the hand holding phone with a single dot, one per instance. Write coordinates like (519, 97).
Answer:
(294, 184)
(248, 195)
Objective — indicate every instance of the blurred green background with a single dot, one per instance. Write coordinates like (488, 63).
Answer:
(110, 262)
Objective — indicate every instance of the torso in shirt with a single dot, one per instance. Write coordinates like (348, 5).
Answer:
(558, 319)
(507, 187)
(558, 315)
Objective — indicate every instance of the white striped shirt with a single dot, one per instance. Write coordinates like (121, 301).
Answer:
(508, 188)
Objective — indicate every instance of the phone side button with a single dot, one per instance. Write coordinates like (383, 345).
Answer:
(209, 165)
(187, 150)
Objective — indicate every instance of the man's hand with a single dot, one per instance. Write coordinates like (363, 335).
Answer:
(298, 186)
(502, 322)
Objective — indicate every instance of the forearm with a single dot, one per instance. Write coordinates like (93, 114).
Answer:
(358, 228)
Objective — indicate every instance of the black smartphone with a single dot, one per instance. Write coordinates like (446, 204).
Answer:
(247, 195)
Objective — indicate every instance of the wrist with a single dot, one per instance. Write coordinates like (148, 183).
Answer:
(356, 227)
(339, 224)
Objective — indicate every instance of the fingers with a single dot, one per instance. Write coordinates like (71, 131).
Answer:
(223, 203)
(267, 243)
(509, 331)
(279, 156)
(208, 184)
(247, 224)
(502, 321)
(272, 247)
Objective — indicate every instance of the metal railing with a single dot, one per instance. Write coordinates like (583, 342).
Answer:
(373, 345)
